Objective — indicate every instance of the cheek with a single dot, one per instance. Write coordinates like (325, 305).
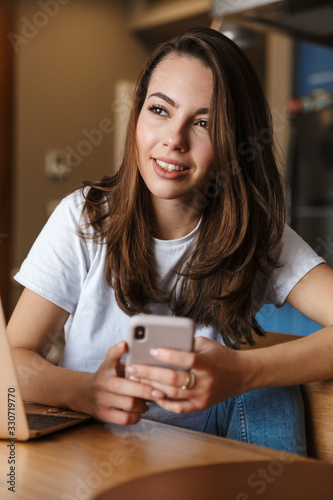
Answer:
(210, 152)
(145, 136)
(207, 157)
(138, 135)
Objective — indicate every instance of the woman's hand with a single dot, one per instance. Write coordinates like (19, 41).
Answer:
(219, 373)
(115, 399)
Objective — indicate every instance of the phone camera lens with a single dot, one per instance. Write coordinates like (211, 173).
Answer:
(139, 333)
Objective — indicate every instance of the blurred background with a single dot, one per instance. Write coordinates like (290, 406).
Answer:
(67, 70)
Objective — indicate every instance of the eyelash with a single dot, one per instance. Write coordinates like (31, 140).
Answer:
(156, 109)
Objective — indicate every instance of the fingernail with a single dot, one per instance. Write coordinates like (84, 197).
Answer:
(155, 352)
(135, 379)
(157, 394)
(131, 369)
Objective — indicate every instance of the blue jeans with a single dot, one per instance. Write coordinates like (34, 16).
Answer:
(268, 417)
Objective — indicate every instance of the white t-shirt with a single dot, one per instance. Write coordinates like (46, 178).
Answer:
(69, 271)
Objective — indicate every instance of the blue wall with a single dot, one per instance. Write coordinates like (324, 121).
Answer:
(313, 68)
(285, 319)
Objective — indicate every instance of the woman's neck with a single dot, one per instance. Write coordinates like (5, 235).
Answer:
(173, 219)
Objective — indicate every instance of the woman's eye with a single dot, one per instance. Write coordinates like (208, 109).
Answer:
(157, 110)
(203, 123)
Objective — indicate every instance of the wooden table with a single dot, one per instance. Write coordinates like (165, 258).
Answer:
(79, 462)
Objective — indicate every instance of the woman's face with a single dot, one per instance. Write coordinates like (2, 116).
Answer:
(175, 153)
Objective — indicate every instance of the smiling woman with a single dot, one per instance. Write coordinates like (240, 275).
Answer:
(175, 153)
(192, 224)
(197, 105)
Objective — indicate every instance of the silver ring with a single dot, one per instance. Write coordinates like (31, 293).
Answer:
(190, 382)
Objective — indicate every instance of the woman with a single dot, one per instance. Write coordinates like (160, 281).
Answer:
(192, 224)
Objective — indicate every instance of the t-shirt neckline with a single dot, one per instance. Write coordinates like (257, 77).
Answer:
(179, 241)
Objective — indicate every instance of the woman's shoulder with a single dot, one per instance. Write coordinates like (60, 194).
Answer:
(293, 251)
(69, 213)
(74, 201)
(72, 204)
(293, 245)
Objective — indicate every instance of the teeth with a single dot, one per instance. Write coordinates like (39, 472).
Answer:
(169, 166)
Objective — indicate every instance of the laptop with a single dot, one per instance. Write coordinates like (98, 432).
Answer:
(19, 420)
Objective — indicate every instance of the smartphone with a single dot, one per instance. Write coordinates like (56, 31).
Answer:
(149, 331)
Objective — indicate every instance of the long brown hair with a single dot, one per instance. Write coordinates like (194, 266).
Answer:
(243, 212)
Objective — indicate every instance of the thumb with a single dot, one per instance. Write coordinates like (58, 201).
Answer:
(115, 352)
(201, 343)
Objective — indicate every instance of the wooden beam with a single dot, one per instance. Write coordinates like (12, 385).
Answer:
(6, 145)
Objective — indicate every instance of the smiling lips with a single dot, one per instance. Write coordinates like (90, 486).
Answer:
(170, 167)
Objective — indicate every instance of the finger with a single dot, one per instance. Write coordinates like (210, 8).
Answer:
(174, 357)
(173, 392)
(116, 416)
(181, 406)
(126, 387)
(120, 402)
(201, 343)
(159, 375)
(167, 390)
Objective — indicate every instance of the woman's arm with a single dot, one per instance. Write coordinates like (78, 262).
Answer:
(311, 357)
(221, 373)
(32, 329)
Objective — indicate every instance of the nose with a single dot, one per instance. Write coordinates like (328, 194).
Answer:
(176, 137)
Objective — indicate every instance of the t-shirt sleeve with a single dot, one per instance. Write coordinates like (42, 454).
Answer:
(296, 258)
(58, 261)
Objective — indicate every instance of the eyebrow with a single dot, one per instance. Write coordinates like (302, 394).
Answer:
(199, 111)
